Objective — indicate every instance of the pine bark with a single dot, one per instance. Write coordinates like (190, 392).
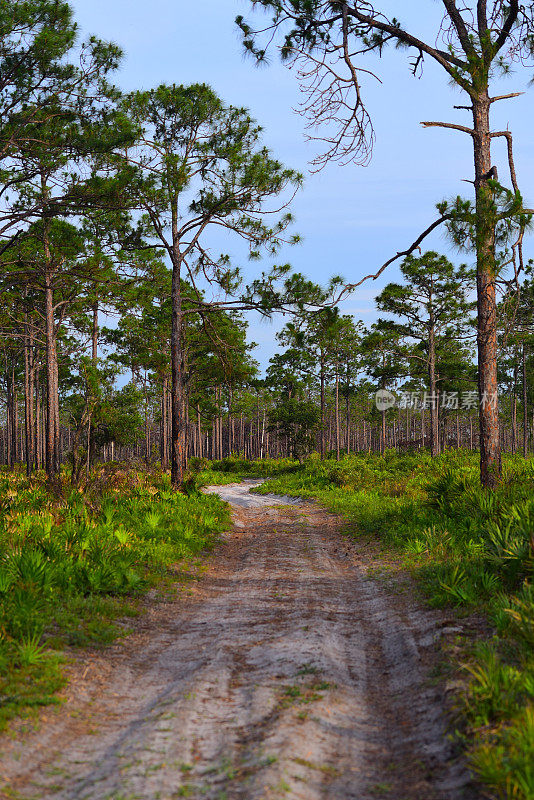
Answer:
(177, 382)
(525, 398)
(434, 420)
(490, 451)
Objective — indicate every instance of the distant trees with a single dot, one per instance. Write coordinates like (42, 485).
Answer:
(432, 308)
(382, 362)
(321, 345)
(294, 416)
(517, 344)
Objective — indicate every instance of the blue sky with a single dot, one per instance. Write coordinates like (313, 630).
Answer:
(351, 218)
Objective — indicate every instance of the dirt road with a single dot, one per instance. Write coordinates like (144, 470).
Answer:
(289, 672)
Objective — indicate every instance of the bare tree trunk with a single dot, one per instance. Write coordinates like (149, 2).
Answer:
(199, 427)
(231, 443)
(9, 418)
(178, 379)
(323, 432)
(186, 434)
(147, 427)
(38, 426)
(434, 420)
(338, 432)
(94, 358)
(212, 451)
(423, 427)
(28, 399)
(514, 411)
(52, 399)
(221, 439)
(164, 445)
(525, 398)
(347, 422)
(15, 417)
(262, 440)
(94, 336)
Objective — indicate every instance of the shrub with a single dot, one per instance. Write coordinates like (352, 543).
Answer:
(59, 557)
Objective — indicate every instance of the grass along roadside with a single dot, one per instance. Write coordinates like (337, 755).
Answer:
(468, 549)
(235, 469)
(70, 567)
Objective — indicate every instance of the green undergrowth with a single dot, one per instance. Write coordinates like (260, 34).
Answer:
(467, 548)
(72, 564)
(234, 469)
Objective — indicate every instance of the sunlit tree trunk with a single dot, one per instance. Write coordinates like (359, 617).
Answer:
(52, 398)
(490, 451)
(338, 432)
(323, 404)
(525, 398)
(29, 374)
(164, 445)
(432, 385)
(178, 383)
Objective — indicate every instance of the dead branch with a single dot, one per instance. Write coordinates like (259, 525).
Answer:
(402, 253)
(510, 145)
(505, 96)
(453, 126)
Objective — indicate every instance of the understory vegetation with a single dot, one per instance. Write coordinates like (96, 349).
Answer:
(469, 549)
(70, 567)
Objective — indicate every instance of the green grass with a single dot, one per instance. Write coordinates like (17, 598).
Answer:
(468, 549)
(70, 567)
(234, 468)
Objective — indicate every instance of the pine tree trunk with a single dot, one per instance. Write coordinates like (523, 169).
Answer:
(423, 427)
(94, 358)
(434, 421)
(231, 443)
(15, 417)
(323, 432)
(199, 429)
(525, 398)
(28, 400)
(490, 453)
(347, 422)
(38, 426)
(178, 382)
(52, 398)
(514, 411)
(262, 439)
(164, 445)
(338, 432)
(10, 458)
(94, 336)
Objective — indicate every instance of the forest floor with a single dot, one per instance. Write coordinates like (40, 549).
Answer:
(299, 665)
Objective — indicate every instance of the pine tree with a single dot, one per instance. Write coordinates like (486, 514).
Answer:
(201, 167)
(433, 307)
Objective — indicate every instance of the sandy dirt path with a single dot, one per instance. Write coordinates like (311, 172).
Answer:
(289, 672)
